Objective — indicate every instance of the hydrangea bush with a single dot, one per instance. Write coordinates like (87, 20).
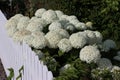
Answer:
(71, 49)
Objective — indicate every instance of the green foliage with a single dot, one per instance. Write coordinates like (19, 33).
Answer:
(79, 70)
(60, 53)
(55, 60)
(84, 69)
(68, 74)
(116, 75)
(45, 30)
(52, 65)
(19, 6)
(99, 74)
(20, 73)
(11, 74)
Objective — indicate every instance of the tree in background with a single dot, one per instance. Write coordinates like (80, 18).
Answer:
(5, 7)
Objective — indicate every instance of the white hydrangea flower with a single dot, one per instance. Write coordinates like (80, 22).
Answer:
(77, 41)
(108, 44)
(43, 22)
(50, 16)
(104, 63)
(63, 22)
(37, 33)
(99, 37)
(23, 22)
(17, 17)
(80, 26)
(91, 37)
(116, 58)
(39, 12)
(39, 42)
(19, 35)
(39, 20)
(115, 68)
(11, 23)
(63, 33)
(11, 31)
(89, 25)
(53, 39)
(64, 45)
(69, 27)
(64, 17)
(90, 54)
(75, 22)
(28, 39)
(83, 34)
(33, 19)
(59, 13)
(72, 17)
(65, 67)
(55, 26)
(94, 37)
(34, 26)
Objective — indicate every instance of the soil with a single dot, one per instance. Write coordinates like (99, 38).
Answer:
(2, 72)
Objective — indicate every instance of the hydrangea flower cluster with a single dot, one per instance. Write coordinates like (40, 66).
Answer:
(108, 44)
(104, 63)
(90, 54)
(54, 30)
(64, 45)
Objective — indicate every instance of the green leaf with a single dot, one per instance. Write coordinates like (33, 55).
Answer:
(19, 76)
(11, 74)
(21, 69)
(20, 73)
(60, 53)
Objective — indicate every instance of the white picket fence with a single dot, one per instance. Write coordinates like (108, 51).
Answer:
(14, 55)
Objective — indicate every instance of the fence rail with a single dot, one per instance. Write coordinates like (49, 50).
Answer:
(15, 55)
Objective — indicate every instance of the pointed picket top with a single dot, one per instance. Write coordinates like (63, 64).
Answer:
(50, 76)
(36, 68)
(45, 70)
(2, 16)
(3, 20)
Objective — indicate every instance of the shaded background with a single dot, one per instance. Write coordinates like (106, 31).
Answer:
(105, 14)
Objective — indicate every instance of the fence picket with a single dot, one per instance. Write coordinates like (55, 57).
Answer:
(45, 72)
(15, 55)
(50, 76)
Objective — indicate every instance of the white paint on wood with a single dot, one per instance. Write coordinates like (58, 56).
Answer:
(14, 55)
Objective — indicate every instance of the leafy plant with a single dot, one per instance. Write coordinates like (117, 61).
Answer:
(99, 74)
(20, 73)
(11, 74)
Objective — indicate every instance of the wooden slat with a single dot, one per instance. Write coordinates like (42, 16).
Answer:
(15, 55)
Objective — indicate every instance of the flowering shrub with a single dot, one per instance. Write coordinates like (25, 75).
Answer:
(90, 54)
(70, 49)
